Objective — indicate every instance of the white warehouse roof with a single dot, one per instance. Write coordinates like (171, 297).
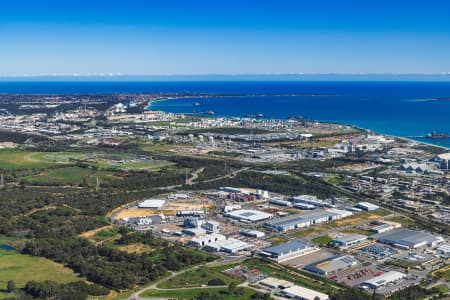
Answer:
(299, 292)
(152, 203)
(246, 215)
(384, 279)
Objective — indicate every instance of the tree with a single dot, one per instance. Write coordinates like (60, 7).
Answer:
(11, 286)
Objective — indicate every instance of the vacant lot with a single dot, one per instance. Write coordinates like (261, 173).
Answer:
(198, 278)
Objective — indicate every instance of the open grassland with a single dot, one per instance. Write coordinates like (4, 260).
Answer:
(70, 176)
(23, 268)
(198, 277)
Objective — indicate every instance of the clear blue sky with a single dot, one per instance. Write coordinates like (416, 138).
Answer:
(226, 37)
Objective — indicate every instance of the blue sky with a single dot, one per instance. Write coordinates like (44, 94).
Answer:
(224, 37)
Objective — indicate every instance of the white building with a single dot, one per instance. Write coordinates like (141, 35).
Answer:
(386, 278)
(207, 239)
(367, 206)
(248, 216)
(301, 293)
(152, 203)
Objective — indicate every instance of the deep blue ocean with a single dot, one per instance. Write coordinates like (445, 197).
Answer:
(396, 108)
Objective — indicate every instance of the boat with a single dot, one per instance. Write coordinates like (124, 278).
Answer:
(196, 104)
(209, 112)
(434, 135)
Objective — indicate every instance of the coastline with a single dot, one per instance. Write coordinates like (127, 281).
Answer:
(150, 103)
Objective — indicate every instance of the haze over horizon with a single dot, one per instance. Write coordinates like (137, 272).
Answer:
(235, 37)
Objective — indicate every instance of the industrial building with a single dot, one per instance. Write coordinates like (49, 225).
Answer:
(211, 226)
(248, 216)
(280, 202)
(230, 245)
(252, 233)
(301, 293)
(288, 250)
(367, 206)
(308, 199)
(386, 278)
(207, 239)
(333, 265)
(152, 203)
(275, 283)
(409, 239)
(349, 240)
(384, 226)
(313, 217)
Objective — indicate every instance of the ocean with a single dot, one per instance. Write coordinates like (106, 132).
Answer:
(406, 109)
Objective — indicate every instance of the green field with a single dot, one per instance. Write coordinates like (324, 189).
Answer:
(69, 175)
(23, 268)
(197, 278)
(224, 293)
(19, 159)
(322, 240)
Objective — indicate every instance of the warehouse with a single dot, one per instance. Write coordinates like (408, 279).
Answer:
(152, 203)
(301, 293)
(313, 217)
(275, 283)
(280, 202)
(204, 240)
(384, 226)
(288, 250)
(407, 238)
(230, 245)
(333, 265)
(386, 278)
(367, 206)
(349, 240)
(252, 233)
(308, 199)
(248, 216)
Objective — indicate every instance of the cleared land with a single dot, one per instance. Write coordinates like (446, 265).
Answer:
(23, 268)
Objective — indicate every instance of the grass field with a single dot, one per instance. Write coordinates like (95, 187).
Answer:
(277, 239)
(193, 293)
(13, 159)
(23, 268)
(322, 240)
(198, 277)
(70, 176)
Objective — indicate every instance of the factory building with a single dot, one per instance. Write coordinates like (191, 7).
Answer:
(248, 216)
(349, 240)
(333, 265)
(288, 250)
(409, 239)
(313, 217)
(386, 278)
